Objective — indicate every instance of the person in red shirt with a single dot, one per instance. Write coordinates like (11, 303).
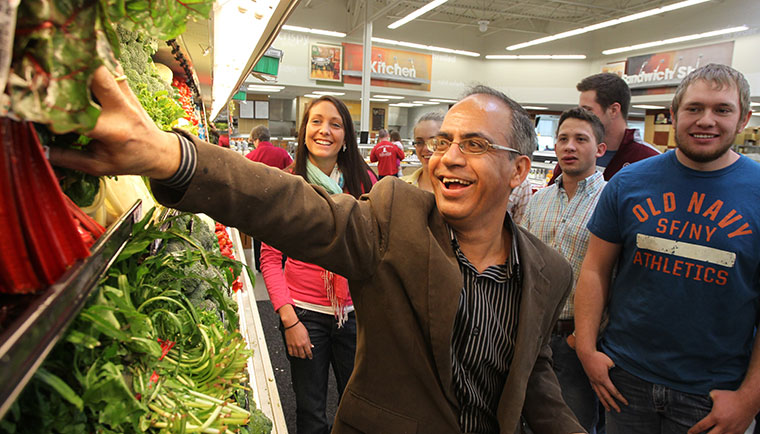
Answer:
(387, 155)
(265, 152)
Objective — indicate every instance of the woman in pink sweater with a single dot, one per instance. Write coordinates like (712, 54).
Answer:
(315, 308)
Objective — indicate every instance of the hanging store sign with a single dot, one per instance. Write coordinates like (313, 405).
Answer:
(390, 67)
(668, 68)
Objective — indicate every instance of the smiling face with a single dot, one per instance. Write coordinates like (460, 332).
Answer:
(423, 131)
(324, 135)
(473, 190)
(577, 149)
(706, 124)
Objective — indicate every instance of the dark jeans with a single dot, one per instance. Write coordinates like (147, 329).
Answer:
(576, 388)
(654, 408)
(334, 347)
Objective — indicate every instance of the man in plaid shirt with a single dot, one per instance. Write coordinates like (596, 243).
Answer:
(558, 215)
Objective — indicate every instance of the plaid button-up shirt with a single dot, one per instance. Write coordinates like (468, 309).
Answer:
(561, 223)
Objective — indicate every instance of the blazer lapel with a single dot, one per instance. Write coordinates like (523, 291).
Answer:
(444, 290)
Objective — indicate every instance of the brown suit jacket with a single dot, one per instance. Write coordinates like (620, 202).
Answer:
(395, 250)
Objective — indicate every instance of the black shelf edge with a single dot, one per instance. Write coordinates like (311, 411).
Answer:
(30, 337)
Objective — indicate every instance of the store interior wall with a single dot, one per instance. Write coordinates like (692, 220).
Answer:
(532, 82)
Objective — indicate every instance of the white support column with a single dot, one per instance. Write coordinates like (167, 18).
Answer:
(366, 72)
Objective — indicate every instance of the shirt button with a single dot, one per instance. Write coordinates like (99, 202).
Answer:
(475, 331)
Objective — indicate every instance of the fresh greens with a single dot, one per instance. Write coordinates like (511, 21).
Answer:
(141, 357)
(58, 44)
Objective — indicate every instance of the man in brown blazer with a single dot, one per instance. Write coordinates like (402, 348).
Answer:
(454, 302)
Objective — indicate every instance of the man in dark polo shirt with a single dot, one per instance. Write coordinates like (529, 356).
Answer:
(609, 98)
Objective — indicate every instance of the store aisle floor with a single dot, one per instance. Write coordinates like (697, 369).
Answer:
(278, 355)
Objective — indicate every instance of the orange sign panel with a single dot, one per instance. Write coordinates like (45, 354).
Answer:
(390, 68)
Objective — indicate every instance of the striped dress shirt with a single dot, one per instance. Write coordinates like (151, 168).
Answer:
(484, 337)
(561, 223)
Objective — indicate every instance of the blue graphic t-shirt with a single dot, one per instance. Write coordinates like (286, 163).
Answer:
(686, 300)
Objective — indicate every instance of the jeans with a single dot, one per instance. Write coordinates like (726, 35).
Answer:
(576, 388)
(334, 347)
(654, 408)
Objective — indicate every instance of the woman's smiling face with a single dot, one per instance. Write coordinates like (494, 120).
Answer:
(324, 133)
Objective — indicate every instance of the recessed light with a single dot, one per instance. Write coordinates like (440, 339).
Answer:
(313, 31)
(432, 5)
(535, 56)
(675, 40)
(648, 107)
(324, 92)
(609, 23)
(425, 47)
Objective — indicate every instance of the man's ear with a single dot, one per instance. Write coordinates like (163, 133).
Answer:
(743, 123)
(614, 110)
(522, 168)
(601, 148)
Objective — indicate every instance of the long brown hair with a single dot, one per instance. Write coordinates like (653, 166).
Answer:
(350, 162)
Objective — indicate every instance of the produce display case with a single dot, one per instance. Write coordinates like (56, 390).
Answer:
(30, 325)
(262, 380)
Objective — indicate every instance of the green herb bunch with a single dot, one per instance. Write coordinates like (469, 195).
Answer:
(141, 357)
(59, 44)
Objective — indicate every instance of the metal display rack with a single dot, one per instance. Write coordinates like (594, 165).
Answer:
(36, 322)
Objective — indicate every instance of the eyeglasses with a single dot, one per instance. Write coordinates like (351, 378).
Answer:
(472, 146)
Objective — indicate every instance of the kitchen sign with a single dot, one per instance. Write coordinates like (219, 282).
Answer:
(390, 67)
(668, 68)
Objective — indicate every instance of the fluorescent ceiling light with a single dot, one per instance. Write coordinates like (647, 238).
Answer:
(402, 104)
(311, 95)
(754, 104)
(534, 107)
(288, 138)
(313, 31)
(425, 102)
(264, 88)
(324, 92)
(451, 101)
(755, 114)
(430, 6)
(604, 24)
(535, 56)
(388, 96)
(675, 40)
(425, 47)
(648, 107)
(635, 114)
(379, 99)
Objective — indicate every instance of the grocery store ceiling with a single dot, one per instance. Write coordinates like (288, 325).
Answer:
(457, 24)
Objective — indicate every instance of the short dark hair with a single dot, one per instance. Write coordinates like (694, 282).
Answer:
(522, 133)
(609, 89)
(395, 136)
(355, 170)
(588, 116)
(721, 76)
(261, 133)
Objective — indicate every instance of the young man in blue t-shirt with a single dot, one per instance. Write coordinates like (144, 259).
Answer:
(679, 354)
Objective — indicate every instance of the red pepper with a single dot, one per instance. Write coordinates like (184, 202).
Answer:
(16, 273)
